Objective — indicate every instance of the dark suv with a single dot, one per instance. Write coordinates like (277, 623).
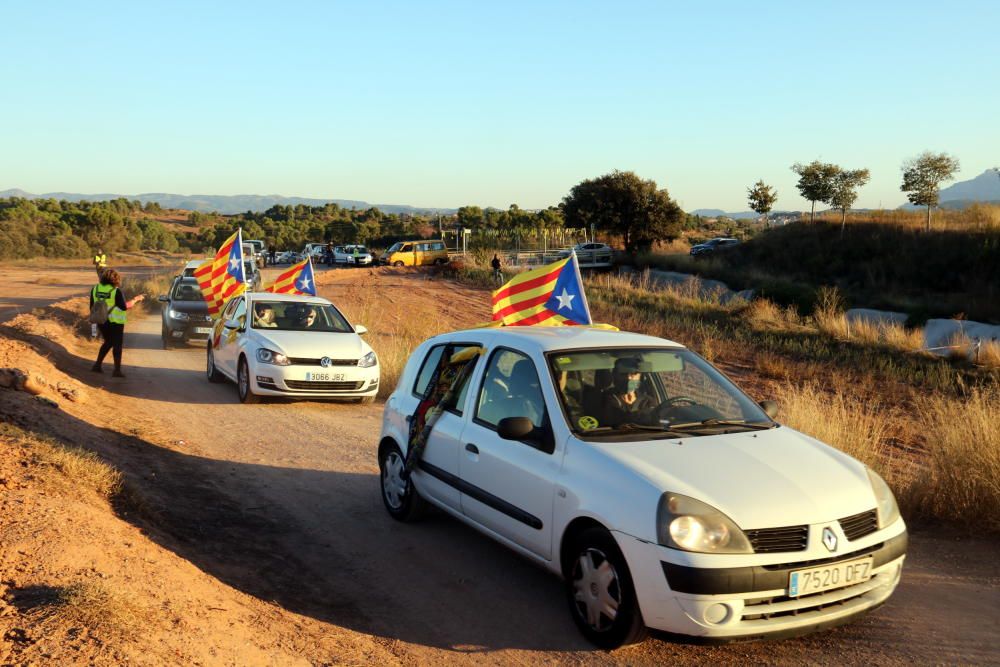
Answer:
(710, 246)
(185, 313)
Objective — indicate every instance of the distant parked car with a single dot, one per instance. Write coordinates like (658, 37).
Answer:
(287, 257)
(416, 253)
(352, 255)
(591, 253)
(185, 313)
(712, 245)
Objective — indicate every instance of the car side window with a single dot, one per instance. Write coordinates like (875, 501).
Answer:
(430, 365)
(406, 248)
(510, 388)
(240, 313)
(227, 314)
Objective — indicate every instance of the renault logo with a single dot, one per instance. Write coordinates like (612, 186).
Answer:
(325, 363)
(829, 539)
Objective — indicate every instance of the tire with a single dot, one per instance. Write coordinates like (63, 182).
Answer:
(397, 263)
(366, 400)
(165, 339)
(210, 370)
(400, 498)
(599, 581)
(440, 261)
(243, 384)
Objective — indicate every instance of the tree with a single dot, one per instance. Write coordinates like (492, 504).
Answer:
(762, 198)
(470, 217)
(845, 191)
(622, 203)
(922, 177)
(815, 182)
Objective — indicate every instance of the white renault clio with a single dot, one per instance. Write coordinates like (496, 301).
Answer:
(663, 495)
(292, 346)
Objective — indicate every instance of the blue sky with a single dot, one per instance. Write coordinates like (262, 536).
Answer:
(452, 103)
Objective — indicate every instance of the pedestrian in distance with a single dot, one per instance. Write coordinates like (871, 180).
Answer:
(108, 310)
(497, 274)
(100, 262)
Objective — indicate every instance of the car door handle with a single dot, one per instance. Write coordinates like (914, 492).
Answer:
(472, 448)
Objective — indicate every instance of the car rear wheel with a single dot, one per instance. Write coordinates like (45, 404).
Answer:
(600, 593)
(439, 261)
(397, 263)
(243, 387)
(213, 374)
(398, 494)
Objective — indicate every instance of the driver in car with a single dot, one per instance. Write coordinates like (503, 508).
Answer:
(305, 318)
(623, 402)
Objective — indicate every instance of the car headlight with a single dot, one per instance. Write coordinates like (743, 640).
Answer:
(271, 357)
(177, 315)
(887, 509)
(368, 360)
(691, 525)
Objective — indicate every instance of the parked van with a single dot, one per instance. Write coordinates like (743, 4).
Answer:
(416, 253)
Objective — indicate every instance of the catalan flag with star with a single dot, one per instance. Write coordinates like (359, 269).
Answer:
(548, 296)
(221, 278)
(298, 279)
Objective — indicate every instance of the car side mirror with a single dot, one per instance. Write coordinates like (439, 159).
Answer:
(232, 324)
(360, 329)
(770, 408)
(164, 298)
(521, 428)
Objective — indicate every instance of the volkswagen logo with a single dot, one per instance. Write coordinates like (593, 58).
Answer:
(325, 363)
(829, 539)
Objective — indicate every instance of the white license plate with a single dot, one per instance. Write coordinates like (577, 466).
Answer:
(203, 330)
(325, 377)
(835, 575)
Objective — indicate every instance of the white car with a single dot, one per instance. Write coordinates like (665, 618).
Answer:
(592, 253)
(352, 255)
(662, 494)
(303, 348)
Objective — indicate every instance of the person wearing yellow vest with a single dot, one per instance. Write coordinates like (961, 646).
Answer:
(100, 262)
(112, 331)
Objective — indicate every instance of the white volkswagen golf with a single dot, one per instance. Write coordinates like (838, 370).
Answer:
(662, 494)
(292, 346)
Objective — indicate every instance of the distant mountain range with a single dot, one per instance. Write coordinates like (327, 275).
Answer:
(737, 215)
(227, 204)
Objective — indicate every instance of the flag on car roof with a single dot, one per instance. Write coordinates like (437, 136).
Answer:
(298, 279)
(548, 296)
(221, 277)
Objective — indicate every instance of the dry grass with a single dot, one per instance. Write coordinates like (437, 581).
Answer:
(830, 318)
(105, 609)
(989, 354)
(859, 427)
(963, 436)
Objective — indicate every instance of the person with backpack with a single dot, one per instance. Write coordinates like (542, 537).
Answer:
(108, 308)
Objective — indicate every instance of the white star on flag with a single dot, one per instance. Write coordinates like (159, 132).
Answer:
(565, 299)
(304, 284)
(234, 263)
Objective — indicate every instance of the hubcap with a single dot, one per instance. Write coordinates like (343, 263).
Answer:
(596, 590)
(393, 485)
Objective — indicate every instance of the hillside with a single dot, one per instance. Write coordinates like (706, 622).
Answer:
(226, 204)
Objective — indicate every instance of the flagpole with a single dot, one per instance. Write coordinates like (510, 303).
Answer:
(583, 292)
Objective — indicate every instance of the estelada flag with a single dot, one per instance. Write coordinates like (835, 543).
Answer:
(548, 296)
(298, 279)
(221, 278)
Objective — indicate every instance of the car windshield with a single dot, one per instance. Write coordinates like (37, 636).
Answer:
(394, 247)
(632, 392)
(186, 291)
(297, 316)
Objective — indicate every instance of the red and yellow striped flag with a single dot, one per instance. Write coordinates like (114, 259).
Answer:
(548, 296)
(221, 278)
(298, 279)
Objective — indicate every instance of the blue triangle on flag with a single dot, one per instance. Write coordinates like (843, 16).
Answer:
(567, 296)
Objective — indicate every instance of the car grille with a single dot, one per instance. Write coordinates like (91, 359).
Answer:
(323, 386)
(859, 525)
(773, 540)
(305, 361)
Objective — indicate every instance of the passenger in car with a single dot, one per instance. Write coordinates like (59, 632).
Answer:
(623, 402)
(264, 316)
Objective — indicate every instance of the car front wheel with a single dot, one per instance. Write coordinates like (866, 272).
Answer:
(243, 387)
(211, 371)
(600, 593)
(398, 494)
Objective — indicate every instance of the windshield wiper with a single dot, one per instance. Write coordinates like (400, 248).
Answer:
(759, 426)
(630, 426)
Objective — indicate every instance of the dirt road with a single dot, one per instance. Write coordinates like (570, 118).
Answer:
(281, 500)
